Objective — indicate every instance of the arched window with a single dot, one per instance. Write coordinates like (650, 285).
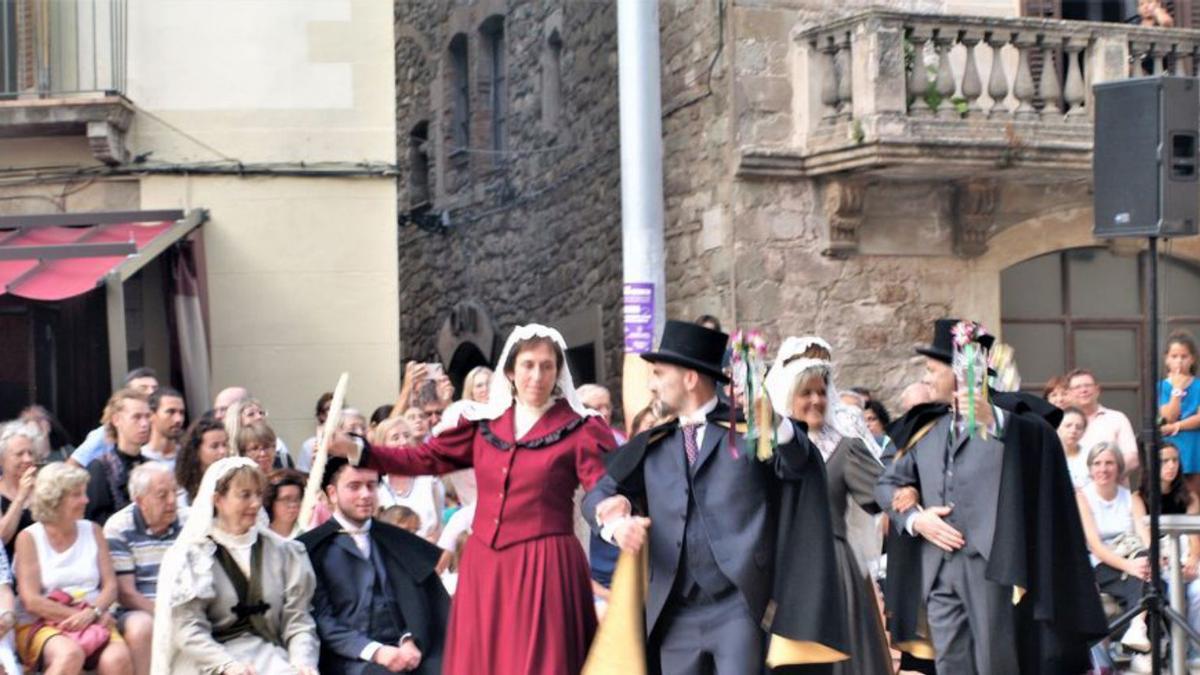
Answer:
(552, 80)
(493, 69)
(1083, 308)
(460, 95)
(419, 196)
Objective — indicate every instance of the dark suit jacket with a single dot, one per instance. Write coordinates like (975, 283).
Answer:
(973, 488)
(747, 506)
(1038, 545)
(341, 615)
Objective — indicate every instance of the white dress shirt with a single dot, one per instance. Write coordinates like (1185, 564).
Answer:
(700, 419)
(360, 534)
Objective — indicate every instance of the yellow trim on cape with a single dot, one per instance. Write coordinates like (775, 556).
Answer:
(922, 649)
(619, 647)
(917, 437)
(1018, 593)
(740, 427)
(784, 652)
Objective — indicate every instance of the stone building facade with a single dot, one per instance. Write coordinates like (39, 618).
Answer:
(531, 227)
(850, 169)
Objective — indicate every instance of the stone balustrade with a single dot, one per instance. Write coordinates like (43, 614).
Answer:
(893, 93)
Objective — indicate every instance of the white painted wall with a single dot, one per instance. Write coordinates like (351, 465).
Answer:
(302, 272)
(263, 80)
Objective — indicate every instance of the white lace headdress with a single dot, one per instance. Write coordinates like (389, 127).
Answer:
(186, 571)
(783, 377)
(500, 389)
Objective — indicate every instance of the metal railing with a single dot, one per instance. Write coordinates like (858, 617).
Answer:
(1173, 528)
(52, 48)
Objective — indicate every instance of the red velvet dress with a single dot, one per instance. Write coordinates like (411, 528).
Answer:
(523, 605)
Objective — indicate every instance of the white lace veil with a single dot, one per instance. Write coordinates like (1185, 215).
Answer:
(184, 575)
(500, 390)
(785, 374)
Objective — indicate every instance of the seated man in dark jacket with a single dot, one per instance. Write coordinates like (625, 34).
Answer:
(379, 605)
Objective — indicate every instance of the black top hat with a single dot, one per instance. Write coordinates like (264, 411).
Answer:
(692, 346)
(942, 348)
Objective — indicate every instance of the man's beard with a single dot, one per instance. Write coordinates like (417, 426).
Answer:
(665, 408)
(348, 515)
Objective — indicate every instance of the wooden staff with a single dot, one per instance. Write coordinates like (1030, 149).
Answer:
(317, 472)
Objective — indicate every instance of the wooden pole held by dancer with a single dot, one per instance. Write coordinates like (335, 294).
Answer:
(313, 488)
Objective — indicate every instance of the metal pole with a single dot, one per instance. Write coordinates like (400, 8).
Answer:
(118, 349)
(642, 244)
(1151, 438)
(1179, 641)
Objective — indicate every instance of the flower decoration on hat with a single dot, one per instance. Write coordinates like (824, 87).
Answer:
(749, 364)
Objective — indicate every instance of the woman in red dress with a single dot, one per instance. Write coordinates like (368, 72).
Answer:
(523, 605)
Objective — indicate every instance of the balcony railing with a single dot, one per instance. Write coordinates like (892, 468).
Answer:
(917, 94)
(62, 48)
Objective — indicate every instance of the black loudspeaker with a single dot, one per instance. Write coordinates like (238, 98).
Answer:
(1144, 163)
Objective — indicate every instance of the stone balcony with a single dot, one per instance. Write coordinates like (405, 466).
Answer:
(103, 118)
(892, 96)
(64, 74)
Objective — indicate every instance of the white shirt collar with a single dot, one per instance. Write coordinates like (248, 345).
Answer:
(701, 415)
(346, 525)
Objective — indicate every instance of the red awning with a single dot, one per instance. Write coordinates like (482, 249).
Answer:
(55, 278)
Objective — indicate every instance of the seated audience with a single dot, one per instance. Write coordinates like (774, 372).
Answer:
(141, 380)
(108, 484)
(17, 443)
(1118, 555)
(138, 536)
(205, 443)
(379, 605)
(309, 447)
(281, 500)
(66, 582)
(233, 598)
(1070, 431)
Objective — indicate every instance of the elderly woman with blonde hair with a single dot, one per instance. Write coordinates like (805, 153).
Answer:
(247, 411)
(66, 582)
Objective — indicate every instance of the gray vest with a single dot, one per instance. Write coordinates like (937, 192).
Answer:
(699, 574)
(970, 482)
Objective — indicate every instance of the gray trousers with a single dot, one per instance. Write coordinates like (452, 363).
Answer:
(709, 638)
(971, 619)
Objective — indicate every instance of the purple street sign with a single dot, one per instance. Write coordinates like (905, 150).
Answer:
(639, 317)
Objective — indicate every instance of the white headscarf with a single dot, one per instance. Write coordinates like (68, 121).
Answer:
(186, 571)
(500, 389)
(843, 420)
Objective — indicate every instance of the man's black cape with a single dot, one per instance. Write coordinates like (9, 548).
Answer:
(411, 564)
(1039, 546)
(809, 606)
